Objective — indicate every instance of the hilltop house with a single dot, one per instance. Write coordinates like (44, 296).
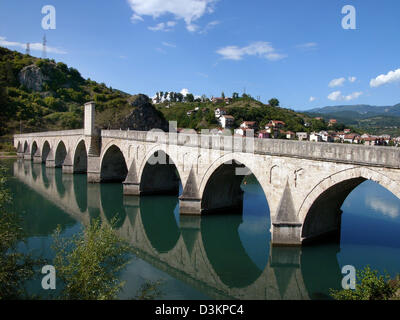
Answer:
(226, 121)
(220, 112)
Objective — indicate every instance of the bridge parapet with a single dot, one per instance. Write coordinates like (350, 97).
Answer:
(61, 133)
(388, 157)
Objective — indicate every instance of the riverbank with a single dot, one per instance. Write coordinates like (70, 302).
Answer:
(8, 155)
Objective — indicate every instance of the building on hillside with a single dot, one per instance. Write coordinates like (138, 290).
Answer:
(332, 122)
(290, 135)
(275, 124)
(347, 131)
(263, 134)
(370, 141)
(245, 132)
(325, 136)
(248, 125)
(302, 136)
(315, 137)
(220, 112)
(352, 138)
(226, 121)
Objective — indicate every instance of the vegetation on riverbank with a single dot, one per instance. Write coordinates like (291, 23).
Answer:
(371, 286)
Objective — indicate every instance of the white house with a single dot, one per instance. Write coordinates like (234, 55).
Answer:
(226, 121)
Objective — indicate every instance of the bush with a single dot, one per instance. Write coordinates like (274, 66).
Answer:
(89, 263)
(369, 286)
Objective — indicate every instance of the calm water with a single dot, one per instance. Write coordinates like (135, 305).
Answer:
(213, 257)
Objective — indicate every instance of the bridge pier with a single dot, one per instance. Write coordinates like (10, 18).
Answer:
(28, 156)
(68, 168)
(37, 159)
(50, 163)
(286, 233)
(131, 189)
(189, 206)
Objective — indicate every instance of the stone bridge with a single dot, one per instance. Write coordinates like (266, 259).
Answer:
(187, 250)
(305, 183)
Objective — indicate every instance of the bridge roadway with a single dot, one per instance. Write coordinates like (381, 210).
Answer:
(305, 183)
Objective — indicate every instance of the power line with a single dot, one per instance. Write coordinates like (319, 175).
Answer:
(44, 47)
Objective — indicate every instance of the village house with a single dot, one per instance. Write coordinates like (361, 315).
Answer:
(370, 141)
(352, 138)
(302, 136)
(332, 122)
(248, 125)
(315, 137)
(290, 135)
(325, 136)
(263, 134)
(220, 112)
(221, 100)
(226, 121)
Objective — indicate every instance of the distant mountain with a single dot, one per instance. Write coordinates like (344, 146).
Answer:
(371, 119)
(361, 109)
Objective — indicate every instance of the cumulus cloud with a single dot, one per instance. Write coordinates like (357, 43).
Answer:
(188, 10)
(36, 46)
(312, 99)
(337, 96)
(337, 82)
(185, 92)
(260, 49)
(386, 208)
(390, 77)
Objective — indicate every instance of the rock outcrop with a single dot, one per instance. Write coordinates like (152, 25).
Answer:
(143, 116)
(32, 77)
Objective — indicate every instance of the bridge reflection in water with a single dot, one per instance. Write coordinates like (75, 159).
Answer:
(208, 253)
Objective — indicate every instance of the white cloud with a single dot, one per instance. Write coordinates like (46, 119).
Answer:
(209, 26)
(307, 46)
(352, 79)
(188, 10)
(337, 96)
(260, 49)
(390, 77)
(36, 46)
(386, 208)
(185, 92)
(167, 44)
(312, 99)
(163, 26)
(135, 18)
(337, 82)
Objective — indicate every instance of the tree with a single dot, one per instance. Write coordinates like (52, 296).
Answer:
(189, 97)
(273, 102)
(235, 95)
(223, 95)
(369, 286)
(89, 263)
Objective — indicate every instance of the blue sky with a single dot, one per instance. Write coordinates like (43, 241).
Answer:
(295, 50)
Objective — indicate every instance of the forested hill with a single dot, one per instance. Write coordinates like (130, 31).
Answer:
(40, 94)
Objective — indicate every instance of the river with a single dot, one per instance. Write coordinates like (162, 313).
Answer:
(210, 257)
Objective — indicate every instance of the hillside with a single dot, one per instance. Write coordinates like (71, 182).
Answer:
(40, 94)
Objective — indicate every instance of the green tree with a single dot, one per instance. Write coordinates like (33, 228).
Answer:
(189, 97)
(369, 286)
(273, 102)
(90, 270)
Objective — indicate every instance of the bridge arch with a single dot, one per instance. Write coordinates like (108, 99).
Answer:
(26, 146)
(159, 173)
(61, 153)
(19, 146)
(320, 211)
(34, 149)
(45, 151)
(229, 171)
(113, 165)
(80, 157)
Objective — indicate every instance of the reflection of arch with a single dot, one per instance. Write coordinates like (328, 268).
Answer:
(159, 174)
(320, 210)
(80, 191)
(112, 203)
(159, 222)
(61, 153)
(34, 148)
(80, 158)
(226, 253)
(45, 151)
(59, 182)
(113, 165)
